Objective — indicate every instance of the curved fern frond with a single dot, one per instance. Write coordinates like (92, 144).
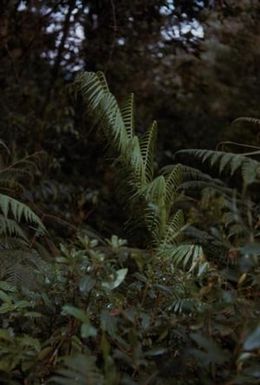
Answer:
(153, 222)
(26, 165)
(19, 211)
(9, 227)
(92, 87)
(21, 266)
(173, 231)
(187, 179)
(147, 144)
(245, 119)
(104, 107)
(185, 255)
(8, 185)
(193, 174)
(2, 143)
(225, 161)
(173, 182)
(156, 214)
(103, 81)
(127, 110)
(155, 191)
(135, 161)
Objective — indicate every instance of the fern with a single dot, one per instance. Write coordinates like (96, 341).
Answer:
(152, 198)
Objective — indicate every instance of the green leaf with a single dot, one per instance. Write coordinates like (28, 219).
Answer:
(252, 342)
(5, 334)
(86, 284)
(251, 249)
(87, 330)
(76, 313)
(5, 297)
(120, 276)
(6, 308)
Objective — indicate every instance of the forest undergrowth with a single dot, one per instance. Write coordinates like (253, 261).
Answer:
(173, 302)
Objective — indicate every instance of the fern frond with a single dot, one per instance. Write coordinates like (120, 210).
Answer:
(226, 161)
(147, 144)
(135, 161)
(194, 174)
(103, 81)
(187, 305)
(13, 172)
(20, 266)
(173, 182)
(2, 143)
(189, 180)
(153, 221)
(104, 107)
(91, 87)
(127, 111)
(199, 186)
(155, 191)
(9, 227)
(114, 122)
(190, 177)
(173, 229)
(250, 120)
(19, 210)
(26, 165)
(185, 254)
(8, 184)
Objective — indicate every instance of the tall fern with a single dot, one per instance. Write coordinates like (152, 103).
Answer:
(152, 197)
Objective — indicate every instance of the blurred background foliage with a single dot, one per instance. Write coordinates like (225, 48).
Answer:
(193, 65)
(174, 54)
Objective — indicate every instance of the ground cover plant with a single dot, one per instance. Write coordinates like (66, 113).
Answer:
(176, 301)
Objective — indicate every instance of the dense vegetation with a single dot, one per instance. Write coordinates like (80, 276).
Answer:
(129, 255)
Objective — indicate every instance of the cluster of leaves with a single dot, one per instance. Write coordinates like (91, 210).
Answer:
(100, 313)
